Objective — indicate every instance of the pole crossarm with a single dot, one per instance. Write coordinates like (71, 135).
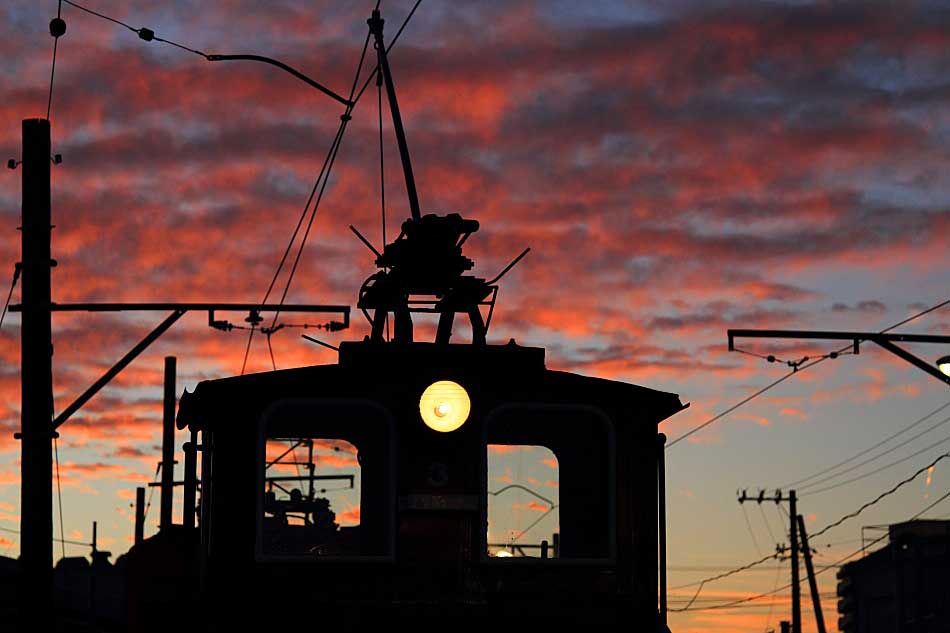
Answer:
(886, 340)
(210, 307)
(177, 311)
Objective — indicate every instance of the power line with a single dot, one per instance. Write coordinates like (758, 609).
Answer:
(795, 371)
(736, 406)
(57, 540)
(878, 498)
(303, 215)
(56, 28)
(913, 424)
(726, 574)
(59, 494)
(748, 525)
(833, 565)
(834, 524)
(345, 118)
(323, 176)
(16, 276)
(877, 470)
(144, 33)
(768, 617)
(765, 520)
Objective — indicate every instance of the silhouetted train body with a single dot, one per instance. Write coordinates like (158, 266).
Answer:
(427, 531)
(419, 553)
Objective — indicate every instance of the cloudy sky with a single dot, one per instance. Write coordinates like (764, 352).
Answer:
(678, 168)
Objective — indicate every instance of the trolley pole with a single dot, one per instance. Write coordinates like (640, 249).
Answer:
(36, 372)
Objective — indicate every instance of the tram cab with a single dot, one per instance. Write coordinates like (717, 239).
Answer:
(364, 494)
(405, 485)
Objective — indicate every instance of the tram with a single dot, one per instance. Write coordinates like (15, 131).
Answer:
(362, 495)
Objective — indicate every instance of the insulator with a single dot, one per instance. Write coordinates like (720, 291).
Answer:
(57, 27)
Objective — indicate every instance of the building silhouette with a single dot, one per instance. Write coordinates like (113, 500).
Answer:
(903, 587)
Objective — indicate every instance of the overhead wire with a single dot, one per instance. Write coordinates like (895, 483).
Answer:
(58, 540)
(813, 536)
(345, 118)
(149, 35)
(52, 72)
(144, 33)
(876, 470)
(59, 495)
(6, 304)
(887, 439)
(737, 405)
(755, 541)
(821, 570)
(322, 177)
(151, 491)
(726, 574)
(334, 150)
(795, 371)
(765, 520)
(768, 617)
(881, 496)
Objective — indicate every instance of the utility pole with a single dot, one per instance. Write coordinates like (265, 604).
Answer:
(139, 514)
(36, 376)
(796, 590)
(168, 445)
(191, 481)
(812, 583)
(796, 625)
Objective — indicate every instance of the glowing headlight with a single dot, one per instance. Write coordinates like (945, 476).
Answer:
(444, 406)
(944, 365)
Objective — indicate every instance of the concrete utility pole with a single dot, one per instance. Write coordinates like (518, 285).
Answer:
(796, 624)
(812, 582)
(36, 377)
(796, 590)
(139, 514)
(191, 481)
(168, 444)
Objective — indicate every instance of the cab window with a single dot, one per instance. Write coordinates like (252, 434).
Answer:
(548, 483)
(325, 484)
(523, 517)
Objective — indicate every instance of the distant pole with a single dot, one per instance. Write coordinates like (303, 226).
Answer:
(792, 500)
(796, 591)
(168, 445)
(139, 514)
(36, 377)
(95, 527)
(191, 481)
(812, 583)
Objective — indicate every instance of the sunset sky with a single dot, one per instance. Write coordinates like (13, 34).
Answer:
(678, 167)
